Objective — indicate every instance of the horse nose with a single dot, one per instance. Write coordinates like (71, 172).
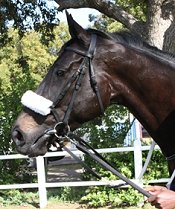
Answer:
(18, 137)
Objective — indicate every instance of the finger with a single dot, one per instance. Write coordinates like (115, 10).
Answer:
(148, 188)
(152, 198)
(159, 188)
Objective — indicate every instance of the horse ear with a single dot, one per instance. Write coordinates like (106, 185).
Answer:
(75, 30)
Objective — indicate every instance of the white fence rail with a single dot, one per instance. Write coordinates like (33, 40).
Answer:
(42, 185)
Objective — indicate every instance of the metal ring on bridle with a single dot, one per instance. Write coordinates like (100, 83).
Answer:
(60, 126)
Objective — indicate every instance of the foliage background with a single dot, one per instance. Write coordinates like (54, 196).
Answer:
(23, 63)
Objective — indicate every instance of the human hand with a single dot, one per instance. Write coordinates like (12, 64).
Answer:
(161, 197)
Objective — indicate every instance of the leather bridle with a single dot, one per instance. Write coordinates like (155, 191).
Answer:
(77, 77)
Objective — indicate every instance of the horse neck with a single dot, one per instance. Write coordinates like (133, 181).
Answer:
(145, 85)
(138, 80)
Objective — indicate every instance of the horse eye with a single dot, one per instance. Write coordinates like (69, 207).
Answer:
(60, 72)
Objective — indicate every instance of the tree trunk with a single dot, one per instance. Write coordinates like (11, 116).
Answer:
(169, 39)
(156, 23)
(168, 9)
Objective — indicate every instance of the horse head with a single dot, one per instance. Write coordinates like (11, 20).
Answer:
(73, 93)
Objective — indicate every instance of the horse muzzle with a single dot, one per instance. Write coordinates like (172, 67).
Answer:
(31, 145)
(34, 145)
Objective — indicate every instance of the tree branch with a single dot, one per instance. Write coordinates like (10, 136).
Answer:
(109, 9)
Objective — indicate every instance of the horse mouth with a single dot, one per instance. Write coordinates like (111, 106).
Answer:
(37, 147)
(40, 141)
(40, 147)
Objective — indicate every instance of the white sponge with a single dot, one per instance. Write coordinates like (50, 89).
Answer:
(37, 103)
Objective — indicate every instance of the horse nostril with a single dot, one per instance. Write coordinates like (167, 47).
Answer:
(18, 137)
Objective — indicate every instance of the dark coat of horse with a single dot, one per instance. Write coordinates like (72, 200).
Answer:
(129, 72)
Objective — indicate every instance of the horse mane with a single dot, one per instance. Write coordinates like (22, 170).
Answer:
(137, 42)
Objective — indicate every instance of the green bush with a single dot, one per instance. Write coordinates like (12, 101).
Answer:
(18, 197)
(103, 196)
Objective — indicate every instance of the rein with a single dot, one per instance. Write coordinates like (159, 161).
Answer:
(91, 152)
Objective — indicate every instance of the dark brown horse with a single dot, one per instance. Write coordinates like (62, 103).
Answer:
(127, 71)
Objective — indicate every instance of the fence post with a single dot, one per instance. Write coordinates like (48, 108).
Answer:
(137, 158)
(41, 181)
(136, 135)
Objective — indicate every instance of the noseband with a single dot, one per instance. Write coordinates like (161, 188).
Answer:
(77, 78)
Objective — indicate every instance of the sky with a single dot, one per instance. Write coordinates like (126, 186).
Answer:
(79, 15)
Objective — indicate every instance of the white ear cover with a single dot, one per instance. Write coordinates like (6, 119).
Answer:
(37, 103)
